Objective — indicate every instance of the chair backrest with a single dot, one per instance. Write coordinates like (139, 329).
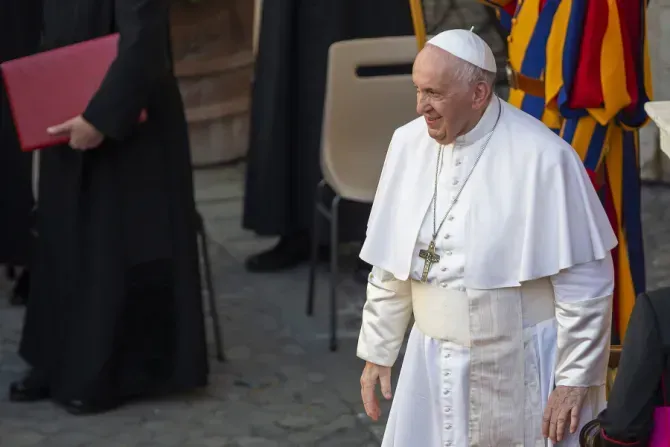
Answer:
(361, 113)
(659, 112)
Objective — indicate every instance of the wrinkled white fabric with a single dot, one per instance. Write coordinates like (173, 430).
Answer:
(432, 403)
(386, 314)
(532, 211)
(527, 222)
(419, 415)
(583, 297)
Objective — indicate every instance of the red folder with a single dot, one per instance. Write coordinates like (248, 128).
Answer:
(48, 88)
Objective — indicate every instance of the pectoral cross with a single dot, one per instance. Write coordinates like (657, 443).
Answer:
(430, 257)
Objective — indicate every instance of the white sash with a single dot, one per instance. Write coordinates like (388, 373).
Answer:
(491, 324)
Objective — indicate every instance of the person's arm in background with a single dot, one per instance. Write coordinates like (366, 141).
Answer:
(143, 59)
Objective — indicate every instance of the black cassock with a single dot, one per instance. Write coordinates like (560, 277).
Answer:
(115, 307)
(288, 97)
(20, 27)
(644, 365)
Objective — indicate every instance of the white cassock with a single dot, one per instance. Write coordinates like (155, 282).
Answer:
(520, 300)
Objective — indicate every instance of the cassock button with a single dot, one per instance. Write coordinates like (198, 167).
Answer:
(448, 427)
(444, 269)
(449, 253)
(454, 182)
(443, 284)
(458, 162)
(447, 236)
(447, 410)
(450, 218)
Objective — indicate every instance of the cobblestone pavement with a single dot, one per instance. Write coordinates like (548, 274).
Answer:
(280, 386)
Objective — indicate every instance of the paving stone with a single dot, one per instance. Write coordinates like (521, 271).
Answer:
(169, 439)
(293, 350)
(292, 422)
(256, 442)
(238, 353)
(21, 439)
(281, 386)
(316, 377)
(216, 441)
(72, 439)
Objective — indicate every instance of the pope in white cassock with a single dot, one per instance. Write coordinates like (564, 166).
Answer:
(486, 228)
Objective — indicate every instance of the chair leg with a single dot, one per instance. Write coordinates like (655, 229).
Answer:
(207, 267)
(314, 247)
(334, 268)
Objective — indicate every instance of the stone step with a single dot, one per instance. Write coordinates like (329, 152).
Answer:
(189, 68)
(216, 94)
(211, 112)
(212, 81)
(205, 31)
(214, 65)
(219, 133)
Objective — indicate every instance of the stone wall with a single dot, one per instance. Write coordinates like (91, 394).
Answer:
(441, 15)
(655, 165)
(212, 45)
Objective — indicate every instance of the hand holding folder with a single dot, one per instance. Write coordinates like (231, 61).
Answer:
(80, 133)
(53, 88)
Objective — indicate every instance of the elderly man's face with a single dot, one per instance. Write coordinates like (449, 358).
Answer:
(447, 104)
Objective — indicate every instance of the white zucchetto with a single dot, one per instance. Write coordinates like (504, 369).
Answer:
(467, 46)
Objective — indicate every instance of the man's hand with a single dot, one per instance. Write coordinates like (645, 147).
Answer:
(371, 374)
(83, 136)
(564, 405)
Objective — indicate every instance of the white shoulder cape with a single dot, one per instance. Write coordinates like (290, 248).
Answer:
(533, 213)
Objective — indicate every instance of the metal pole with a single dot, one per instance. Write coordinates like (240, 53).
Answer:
(419, 22)
(258, 11)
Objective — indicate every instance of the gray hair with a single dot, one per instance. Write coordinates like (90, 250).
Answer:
(467, 73)
(471, 74)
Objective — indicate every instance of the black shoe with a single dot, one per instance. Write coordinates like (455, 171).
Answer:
(33, 387)
(21, 290)
(288, 253)
(85, 408)
(10, 272)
